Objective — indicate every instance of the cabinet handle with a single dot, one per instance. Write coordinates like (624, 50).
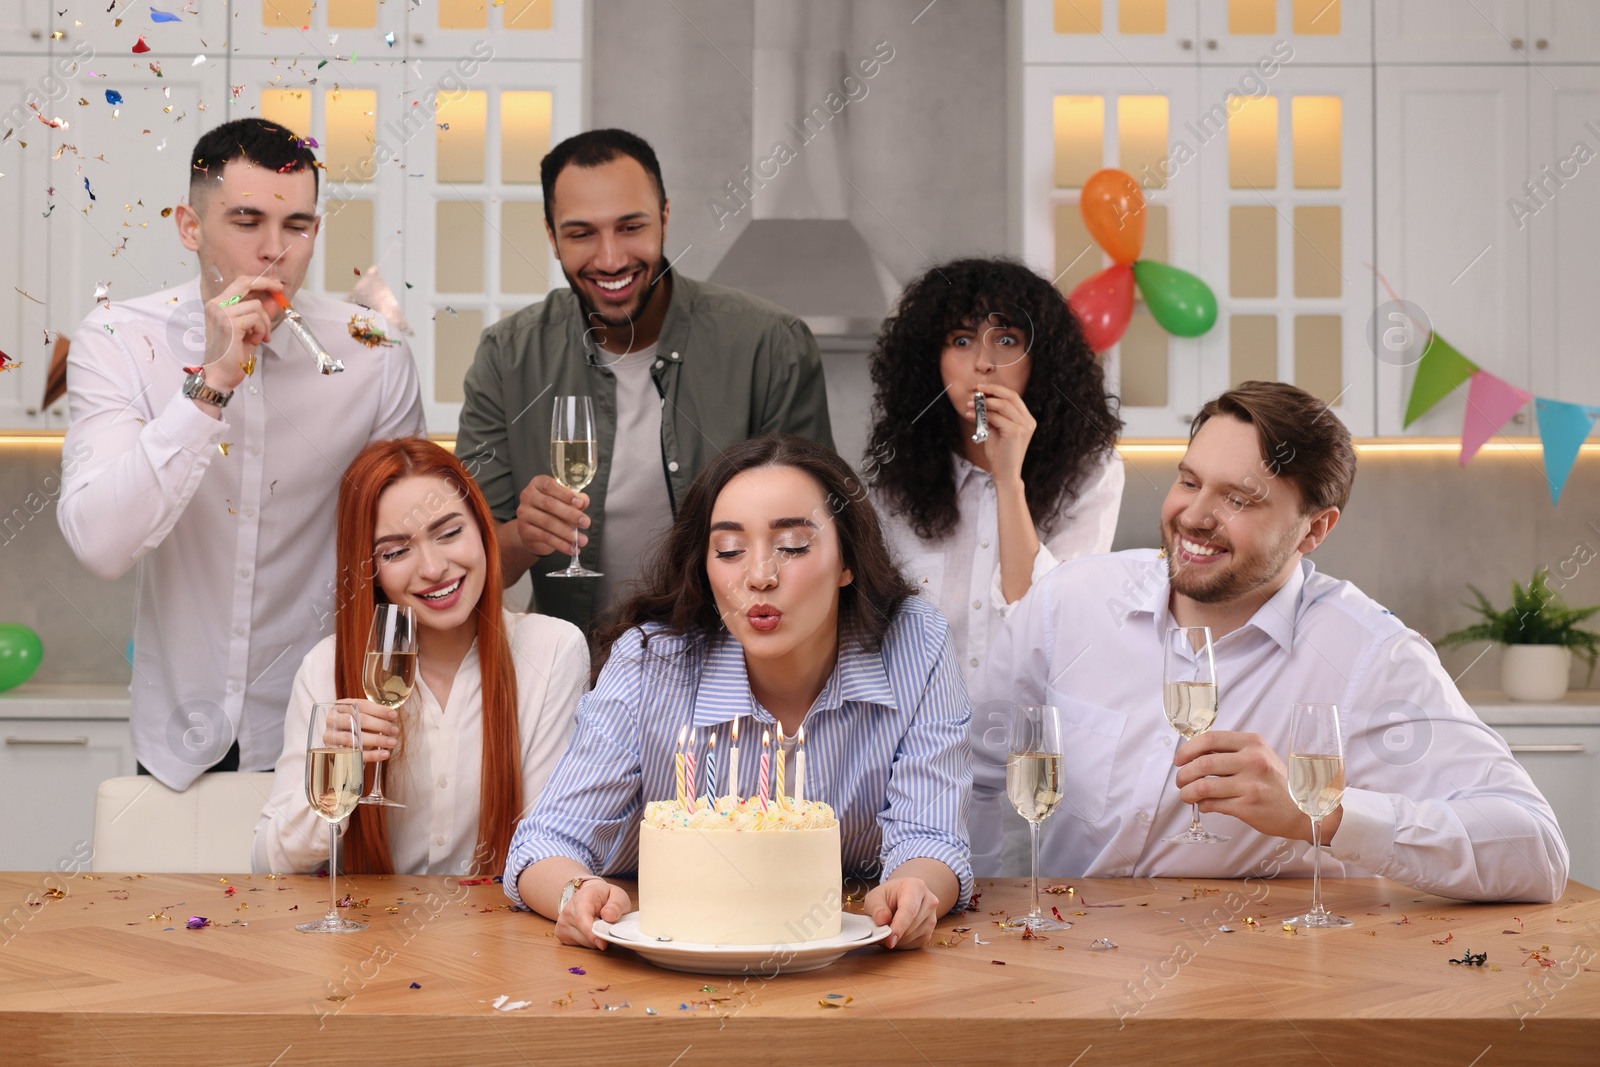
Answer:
(47, 740)
(1541, 44)
(1211, 44)
(1516, 42)
(1546, 748)
(1186, 44)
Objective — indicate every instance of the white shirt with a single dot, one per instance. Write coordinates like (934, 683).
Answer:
(1434, 799)
(438, 775)
(638, 506)
(235, 551)
(961, 571)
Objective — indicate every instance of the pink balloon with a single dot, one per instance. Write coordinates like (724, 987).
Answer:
(1104, 304)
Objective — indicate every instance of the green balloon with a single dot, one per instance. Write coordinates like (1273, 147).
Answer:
(20, 653)
(1182, 303)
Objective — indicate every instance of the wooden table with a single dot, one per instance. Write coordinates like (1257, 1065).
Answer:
(104, 969)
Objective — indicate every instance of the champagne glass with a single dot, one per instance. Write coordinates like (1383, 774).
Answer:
(1189, 695)
(388, 673)
(1033, 785)
(574, 455)
(1316, 782)
(333, 785)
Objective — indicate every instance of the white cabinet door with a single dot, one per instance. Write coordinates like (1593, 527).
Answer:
(199, 29)
(1109, 31)
(1557, 211)
(114, 170)
(1563, 31)
(1240, 33)
(515, 29)
(311, 32)
(25, 26)
(25, 315)
(1452, 144)
(50, 771)
(1451, 31)
(1564, 762)
(1287, 236)
(476, 249)
(1078, 119)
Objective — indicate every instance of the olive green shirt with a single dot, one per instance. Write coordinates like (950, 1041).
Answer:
(729, 366)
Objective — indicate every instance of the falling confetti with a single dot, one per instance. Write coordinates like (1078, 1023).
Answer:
(199, 59)
(388, 38)
(139, 47)
(89, 190)
(155, 66)
(7, 363)
(113, 97)
(162, 16)
(102, 292)
(362, 330)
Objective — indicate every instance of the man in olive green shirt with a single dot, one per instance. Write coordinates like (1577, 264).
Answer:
(676, 370)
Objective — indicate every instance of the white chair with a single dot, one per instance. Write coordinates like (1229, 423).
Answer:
(142, 826)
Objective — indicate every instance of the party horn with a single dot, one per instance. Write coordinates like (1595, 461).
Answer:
(325, 363)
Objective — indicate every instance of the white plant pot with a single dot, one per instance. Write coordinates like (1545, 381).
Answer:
(1535, 672)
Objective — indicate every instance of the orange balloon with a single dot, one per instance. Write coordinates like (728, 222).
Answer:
(1113, 211)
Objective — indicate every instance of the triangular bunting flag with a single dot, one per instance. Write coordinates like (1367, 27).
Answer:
(1491, 402)
(1562, 428)
(1441, 369)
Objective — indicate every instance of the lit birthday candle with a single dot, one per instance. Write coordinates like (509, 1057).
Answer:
(678, 762)
(778, 791)
(733, 763)
(766, 768)
(800, 766)
(711, 770)
(688, 773)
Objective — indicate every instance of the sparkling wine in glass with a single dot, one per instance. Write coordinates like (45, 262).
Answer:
(1316, 782)
(1033, 785)
(388, 673)
(574, 456)
(333, 786)
(1189, 696)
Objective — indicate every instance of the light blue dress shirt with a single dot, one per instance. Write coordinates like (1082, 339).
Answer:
(886, 745)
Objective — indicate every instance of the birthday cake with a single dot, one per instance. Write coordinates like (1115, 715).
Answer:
(736, 873)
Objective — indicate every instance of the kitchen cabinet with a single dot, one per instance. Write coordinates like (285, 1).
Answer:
(1564, 762)
(1238, 33)
(57, 744)
(1487, 31)
(400, 101)
(1136, 32)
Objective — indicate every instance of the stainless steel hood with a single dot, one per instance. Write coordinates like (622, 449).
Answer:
(800, 249)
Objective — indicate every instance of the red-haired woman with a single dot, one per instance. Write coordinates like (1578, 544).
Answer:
(492, 710)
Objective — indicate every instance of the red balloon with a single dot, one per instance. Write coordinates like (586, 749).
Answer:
(1104, 304)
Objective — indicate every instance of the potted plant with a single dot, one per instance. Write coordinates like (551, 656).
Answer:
(1540, 634)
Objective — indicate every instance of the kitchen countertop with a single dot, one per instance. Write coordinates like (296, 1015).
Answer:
(65, 701)
(1580, 707)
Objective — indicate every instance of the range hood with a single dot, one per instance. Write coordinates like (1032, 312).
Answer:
(800, 250)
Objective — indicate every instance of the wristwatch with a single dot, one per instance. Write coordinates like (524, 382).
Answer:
(569, 889)
(195, 388)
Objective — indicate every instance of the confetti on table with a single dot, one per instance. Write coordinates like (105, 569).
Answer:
(198, 922)
(337, 998)
(231, 890)
(834, 1000)
(1471, 958)
(1445, 940)
(55, 894)
(162, 16)
(113, 97)
(576, 970)
(1226, 929)
(1105, 944)
(505, 1003)
(998, 963)
(139, 47)
(1059, 889)
(416, 985)
(651, 1011)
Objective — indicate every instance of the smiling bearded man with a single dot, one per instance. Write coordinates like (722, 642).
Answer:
(1453, 814)
(677, 371)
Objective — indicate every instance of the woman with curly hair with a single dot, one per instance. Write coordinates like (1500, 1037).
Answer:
(977, 521)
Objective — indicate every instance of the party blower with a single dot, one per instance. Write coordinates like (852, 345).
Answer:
(325, 363)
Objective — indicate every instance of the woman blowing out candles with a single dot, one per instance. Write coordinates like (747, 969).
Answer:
(773, 600)
(491, 711)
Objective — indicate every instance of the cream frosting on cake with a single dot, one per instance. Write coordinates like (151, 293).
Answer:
(731, 873)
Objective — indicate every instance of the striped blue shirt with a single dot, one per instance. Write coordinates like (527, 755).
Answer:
(886, 745)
